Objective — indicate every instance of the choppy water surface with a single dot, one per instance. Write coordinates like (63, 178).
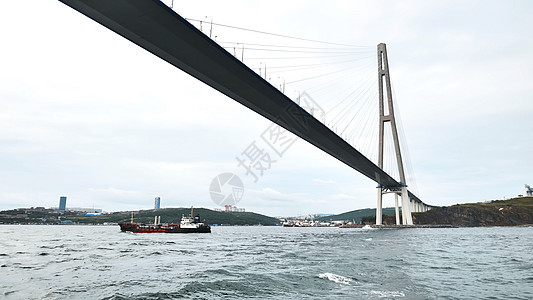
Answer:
(100, 262)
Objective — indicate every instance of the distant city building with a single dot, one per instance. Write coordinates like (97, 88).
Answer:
(157, 203)
(63, 206)
(62, 203)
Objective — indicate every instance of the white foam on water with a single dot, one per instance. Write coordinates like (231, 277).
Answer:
(388, 294)
(335, 278)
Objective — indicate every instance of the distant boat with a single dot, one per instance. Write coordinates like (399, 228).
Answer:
(188, 224)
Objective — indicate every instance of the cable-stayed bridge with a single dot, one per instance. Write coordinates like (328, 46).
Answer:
(152, 25)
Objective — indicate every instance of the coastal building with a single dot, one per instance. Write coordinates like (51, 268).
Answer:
(62, 203)
(230, 208)
(85, 210)
(529, 191)
(157, 203)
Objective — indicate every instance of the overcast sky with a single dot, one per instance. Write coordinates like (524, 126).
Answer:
(87, 114)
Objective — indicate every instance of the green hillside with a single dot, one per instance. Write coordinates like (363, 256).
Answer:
(356, 215)
(168, 215)
(512, 212)
(173, 215)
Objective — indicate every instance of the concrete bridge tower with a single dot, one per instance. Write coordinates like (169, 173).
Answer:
(386, 116)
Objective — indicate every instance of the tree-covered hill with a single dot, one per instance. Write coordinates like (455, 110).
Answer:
(168, 215)
(356, 215)
(512, 212)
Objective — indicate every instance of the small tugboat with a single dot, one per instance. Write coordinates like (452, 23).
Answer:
(188, 224)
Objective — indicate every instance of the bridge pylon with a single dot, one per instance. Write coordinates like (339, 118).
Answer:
(386, 116)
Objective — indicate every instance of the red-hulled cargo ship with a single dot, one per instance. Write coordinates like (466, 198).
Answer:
(187, 225)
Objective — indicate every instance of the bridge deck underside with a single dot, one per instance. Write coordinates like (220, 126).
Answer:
(158, 29)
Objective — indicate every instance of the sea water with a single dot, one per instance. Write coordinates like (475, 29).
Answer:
(100, 262)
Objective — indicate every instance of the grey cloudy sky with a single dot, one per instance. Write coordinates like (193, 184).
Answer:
(87, 114)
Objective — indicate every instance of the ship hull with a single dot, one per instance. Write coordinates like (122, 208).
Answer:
(139, 228)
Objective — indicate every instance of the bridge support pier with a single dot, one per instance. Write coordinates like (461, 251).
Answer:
(406, 208)
(379, 209)
(396, 209)
(407, 205)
